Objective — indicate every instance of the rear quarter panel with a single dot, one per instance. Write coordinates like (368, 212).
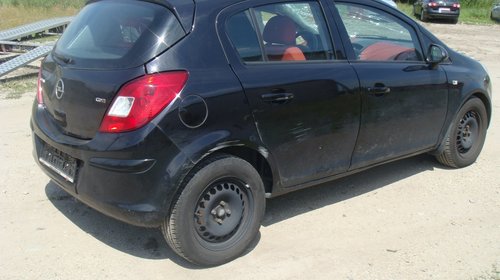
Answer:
(229, 122)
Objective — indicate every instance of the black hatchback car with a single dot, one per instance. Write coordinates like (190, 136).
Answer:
(437, 9)
(187, 115)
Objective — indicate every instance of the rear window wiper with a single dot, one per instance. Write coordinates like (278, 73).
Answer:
(65, 59)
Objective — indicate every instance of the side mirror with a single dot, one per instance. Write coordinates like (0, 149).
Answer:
(436, 54)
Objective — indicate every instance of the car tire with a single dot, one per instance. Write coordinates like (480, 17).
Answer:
(454, 21)
(218, 213)
(466, 134)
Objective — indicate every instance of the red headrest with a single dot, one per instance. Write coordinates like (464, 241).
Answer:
(280, 30)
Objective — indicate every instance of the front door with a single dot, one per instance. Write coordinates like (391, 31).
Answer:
(403, 99)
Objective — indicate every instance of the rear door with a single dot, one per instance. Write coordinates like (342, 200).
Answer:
(403, 100)
(306, 110)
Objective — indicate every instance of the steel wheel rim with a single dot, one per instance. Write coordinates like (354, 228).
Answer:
(221, 210)
(468, 131)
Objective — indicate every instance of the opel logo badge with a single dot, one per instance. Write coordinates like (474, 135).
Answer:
(59, 89)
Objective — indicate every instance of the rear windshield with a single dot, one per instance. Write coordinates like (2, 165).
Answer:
(112, 34)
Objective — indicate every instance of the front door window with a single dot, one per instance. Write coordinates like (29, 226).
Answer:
(379, 36)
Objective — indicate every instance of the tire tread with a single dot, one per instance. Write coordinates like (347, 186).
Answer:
(448, 155)
(169, 227)
(445, 157)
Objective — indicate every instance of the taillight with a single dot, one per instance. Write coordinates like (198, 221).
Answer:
(141, 100)
(432, 4)
(39, 91)
(456, 5)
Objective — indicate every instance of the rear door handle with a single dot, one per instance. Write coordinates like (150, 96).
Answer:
(277, 98)
(379, 89)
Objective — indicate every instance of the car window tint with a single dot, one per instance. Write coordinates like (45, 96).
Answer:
(244, 37)
(100, 37)
(378, 36)
(293, 31)
(287, 32)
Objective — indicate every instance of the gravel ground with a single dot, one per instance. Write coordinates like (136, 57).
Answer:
(411, 219)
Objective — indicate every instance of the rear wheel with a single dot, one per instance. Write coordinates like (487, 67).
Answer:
(218, 213)
(465, 138)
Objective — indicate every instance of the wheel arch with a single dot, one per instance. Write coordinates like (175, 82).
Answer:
(461, 147)
(486, 102)
(257, 158)
(476, 94)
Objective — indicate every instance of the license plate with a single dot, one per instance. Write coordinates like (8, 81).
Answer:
(444, 10)
(59, 162)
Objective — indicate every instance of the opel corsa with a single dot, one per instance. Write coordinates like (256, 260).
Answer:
(187, 115)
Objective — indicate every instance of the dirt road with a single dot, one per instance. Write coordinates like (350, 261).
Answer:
(411, 219)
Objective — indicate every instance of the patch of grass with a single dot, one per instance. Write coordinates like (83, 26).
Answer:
(43, 3)
(13, 15)
(476, 3)
(475, 13)
(406, 8)
(494, 274)
(15, 89)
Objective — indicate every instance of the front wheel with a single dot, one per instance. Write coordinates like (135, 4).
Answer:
(465, 137)
(218, 213)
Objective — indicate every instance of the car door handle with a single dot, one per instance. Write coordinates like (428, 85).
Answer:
(379, 90)
(277, 98)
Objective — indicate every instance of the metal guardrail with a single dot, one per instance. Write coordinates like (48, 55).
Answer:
(24, 59)
(33, 28)
(17, 47)
(34, 51)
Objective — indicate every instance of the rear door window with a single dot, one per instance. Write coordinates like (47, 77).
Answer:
(244, 37)
(111, 34)
(281, 32)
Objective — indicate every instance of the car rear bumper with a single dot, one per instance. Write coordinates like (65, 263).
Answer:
(129, 176)
(436, 13)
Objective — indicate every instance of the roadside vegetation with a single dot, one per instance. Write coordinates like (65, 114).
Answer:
(16, 88)
(17, 12)
(471, 12)
(494, 274)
